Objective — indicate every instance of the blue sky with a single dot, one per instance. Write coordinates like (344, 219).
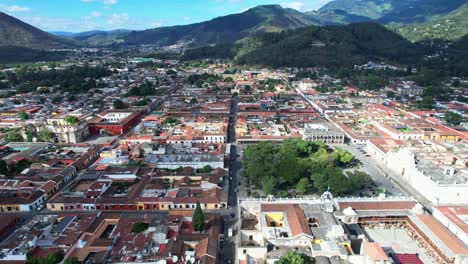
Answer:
(84, 15)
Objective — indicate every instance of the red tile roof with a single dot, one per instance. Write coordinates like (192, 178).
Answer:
(406, 259)
(455, 245)
(453, 213)
(375, 251)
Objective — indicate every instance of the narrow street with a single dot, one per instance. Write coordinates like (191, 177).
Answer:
(227, 252)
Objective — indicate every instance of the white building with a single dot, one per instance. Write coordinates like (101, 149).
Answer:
(441, 177)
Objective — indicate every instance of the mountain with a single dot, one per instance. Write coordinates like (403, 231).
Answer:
(338, 16)
(387, 11)
(226, 29)
(96, 37)
(62, 33)
(452, 26)
(331, 46)
(14, 32)
(102, 38)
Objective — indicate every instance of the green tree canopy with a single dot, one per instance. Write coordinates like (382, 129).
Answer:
(295, 258)
(139, 227)
(3, 167)
(73, 260)
(22, 115)
(52, 258)
(453, 118)
(45, 135)
(71, 120)
(13, 136)
(198, 219)
(207, 169)
(271, 166)
(119, 104)
(302, 185)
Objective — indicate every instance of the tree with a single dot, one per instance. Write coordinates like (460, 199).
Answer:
(198, 219)
(119, 104)
(3, 167)
(257, 160)
(73, 260)
(29, 135)
(453, 118)
(360, 180)
(45, 135)
(206, 169)
(57, 99)
(52, 258)
(426, 103)
(193, 101)
(139, 227)
(71, 98)
(295, 258)
(171, 72)
(171, 120)
(302, 185)
(390, 94)
(286, 165)
(22, 115)
(343, 157)
(142, 102)
(331, 177)
(13, 136)
(166, 183)
(268, 184)
(71, 120)
(409, 70)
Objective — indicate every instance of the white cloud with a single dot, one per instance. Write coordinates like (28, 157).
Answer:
(96, 14)
(118, 19)
(14, 8)
(294, 5)
(50, 23)
(105, 2)
(186, 18)
(229, 1)
(157, 24)
(110, 2)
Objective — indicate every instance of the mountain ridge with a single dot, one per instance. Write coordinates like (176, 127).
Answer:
(14, 32)
(393, 11)
(451, 27)
(230, 28)
(236, 27)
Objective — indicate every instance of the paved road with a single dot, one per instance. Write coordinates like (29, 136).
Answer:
(385, 178)
(370, 167)
(234, 164)
(228, 247)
